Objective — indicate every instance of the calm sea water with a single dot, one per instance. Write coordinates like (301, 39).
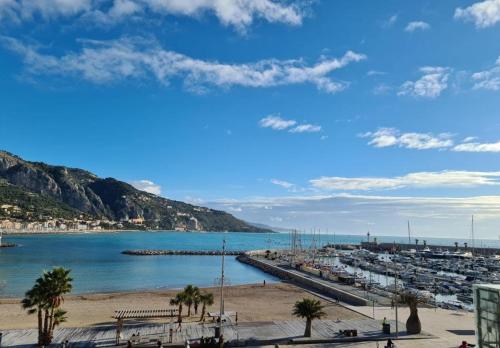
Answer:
(98, 266)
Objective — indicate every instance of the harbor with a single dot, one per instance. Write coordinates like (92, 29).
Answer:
(438, 276)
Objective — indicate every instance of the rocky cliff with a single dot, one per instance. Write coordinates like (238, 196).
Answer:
(37, 189)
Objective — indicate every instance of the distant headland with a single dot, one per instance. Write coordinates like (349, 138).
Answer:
(38, 197)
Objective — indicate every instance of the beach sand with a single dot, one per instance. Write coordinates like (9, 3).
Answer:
(252, 302)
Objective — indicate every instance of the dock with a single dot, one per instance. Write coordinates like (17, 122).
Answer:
(342, 292)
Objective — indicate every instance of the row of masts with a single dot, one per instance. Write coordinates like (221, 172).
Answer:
(295, 240)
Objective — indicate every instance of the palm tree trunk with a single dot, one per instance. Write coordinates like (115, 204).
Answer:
(40, 326)
(307, 333)
(189, 311)
(180, 311)
(45, 334)
(203, 309)
(413, 325)
(51, 321)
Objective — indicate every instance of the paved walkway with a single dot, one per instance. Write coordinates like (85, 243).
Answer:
(451, 327)
(258, 332)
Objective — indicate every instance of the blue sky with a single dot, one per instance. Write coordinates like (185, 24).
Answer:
(346, 115)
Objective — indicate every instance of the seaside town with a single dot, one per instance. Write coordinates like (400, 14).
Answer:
(415, 296)
(249, 173)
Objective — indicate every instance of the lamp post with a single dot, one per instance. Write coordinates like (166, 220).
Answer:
(221, 310)
(396, 302)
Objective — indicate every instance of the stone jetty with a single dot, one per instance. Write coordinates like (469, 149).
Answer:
(152, 252)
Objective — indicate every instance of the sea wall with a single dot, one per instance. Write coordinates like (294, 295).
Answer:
(382, 247)
(298, 279)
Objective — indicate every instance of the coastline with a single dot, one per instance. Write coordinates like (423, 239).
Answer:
(93, 232)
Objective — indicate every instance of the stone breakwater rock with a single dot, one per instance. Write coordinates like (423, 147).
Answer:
(8, 245)
(149, 252)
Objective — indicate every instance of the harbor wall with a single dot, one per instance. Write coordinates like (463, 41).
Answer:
(282, 273)
(382, 247)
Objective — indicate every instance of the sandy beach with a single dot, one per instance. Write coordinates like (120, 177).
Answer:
(252, 302)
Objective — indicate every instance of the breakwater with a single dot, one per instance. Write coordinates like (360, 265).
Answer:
(152, 252)
(301, 280)
(396, 247)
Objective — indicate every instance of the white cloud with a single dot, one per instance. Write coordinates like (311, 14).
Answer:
(477, 147)
(433, 82)
(138, 58)
(305, 128)
(483, 13)
(239, 14)
(389, 22)
(147, 186)
(386, 137)
(194, 200)
(345, 213)
(276, 122)
(448, 178)
(417, 25)
(381, 89)
(375, 73)
(282, 183)
(488, 79)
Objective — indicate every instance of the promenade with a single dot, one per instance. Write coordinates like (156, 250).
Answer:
(243, 334)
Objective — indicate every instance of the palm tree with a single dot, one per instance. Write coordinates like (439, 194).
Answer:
(190, 292)
(33, 302)
(178, 300)
(45, 299)
(309, 309)
(206, 299)
(413, 325)
(196, 301)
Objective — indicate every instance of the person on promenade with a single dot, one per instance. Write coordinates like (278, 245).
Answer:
(390, 344)
(463, 345)
(179, 324)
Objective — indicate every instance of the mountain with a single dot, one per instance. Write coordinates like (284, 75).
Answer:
(57, 195)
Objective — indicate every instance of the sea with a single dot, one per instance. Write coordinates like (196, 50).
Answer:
(98, 266)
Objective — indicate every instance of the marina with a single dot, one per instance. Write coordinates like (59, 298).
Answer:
(439, 277)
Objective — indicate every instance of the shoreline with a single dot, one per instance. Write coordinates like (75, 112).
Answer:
(93, 232)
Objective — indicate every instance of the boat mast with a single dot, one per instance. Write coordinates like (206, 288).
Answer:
(472, 235)
(409, 238)
(221, 312)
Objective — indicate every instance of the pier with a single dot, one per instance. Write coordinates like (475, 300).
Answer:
(341, 292)
(153, 252)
